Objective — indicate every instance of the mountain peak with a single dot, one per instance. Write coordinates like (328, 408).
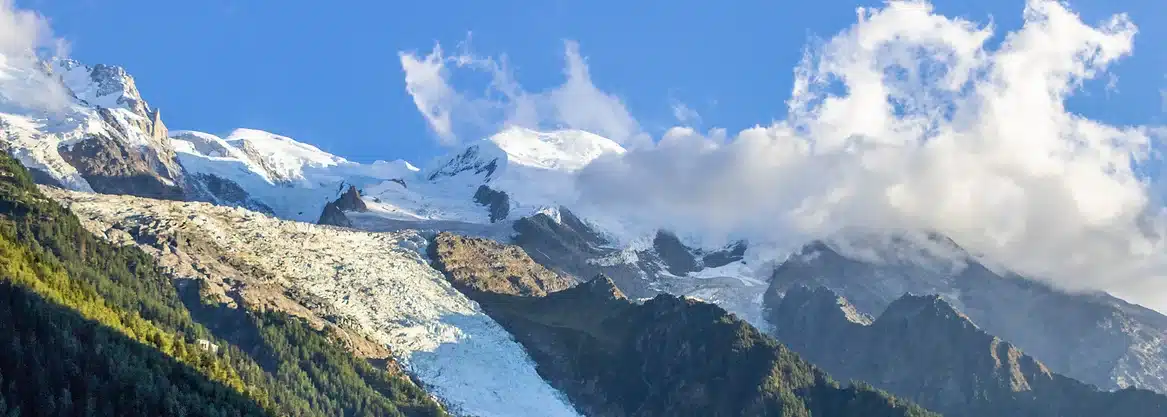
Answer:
(820, 300)
(560, 150)
(912, 307)
(603, 286)
(104, 86)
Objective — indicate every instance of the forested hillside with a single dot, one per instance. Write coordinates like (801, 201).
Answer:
(93, 329)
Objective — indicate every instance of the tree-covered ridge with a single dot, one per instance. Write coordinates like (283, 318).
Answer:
(99, 317)
(667, 356)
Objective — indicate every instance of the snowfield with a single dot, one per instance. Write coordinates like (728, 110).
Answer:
(378, 280)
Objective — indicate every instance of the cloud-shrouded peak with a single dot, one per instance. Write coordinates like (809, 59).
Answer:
(906, 120)
(910, 120)
(456, 116)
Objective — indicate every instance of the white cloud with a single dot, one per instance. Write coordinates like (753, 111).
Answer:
(909, 120)
(455, 115)
(906, 120)
(25, 85)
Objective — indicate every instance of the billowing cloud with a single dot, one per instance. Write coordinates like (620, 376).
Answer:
(454, 115)
(25, 84)
(909, 120)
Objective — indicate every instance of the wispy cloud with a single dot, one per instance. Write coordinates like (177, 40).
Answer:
(685, 115)
(455, 115)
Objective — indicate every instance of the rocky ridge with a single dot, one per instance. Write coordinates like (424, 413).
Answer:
(1091, 337)
(669, 356)
(923, 349)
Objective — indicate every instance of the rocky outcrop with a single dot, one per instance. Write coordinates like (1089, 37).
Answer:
(678, 258)
(569, 246)
(732, 253)
(498, 202)
(562, 242)
(669, 356)
(333, 212)
(351, 201)
(110, 166)
(923, 349)
(1091, 337)
(332, 215)
(481, 265)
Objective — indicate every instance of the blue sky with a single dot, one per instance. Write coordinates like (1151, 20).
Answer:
(331, 75)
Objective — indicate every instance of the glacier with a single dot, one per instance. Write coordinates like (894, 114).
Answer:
(379, 281)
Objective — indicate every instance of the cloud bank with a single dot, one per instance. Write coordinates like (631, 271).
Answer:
(455, 116)
(905, 120)
(25, 40)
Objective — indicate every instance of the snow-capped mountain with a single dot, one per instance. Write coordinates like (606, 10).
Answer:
(517, 186)
(510, 175)
(106, 139)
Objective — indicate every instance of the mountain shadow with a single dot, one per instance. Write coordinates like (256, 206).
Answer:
(666, 357)
(923, 349)
(59, 363)
(45, 250)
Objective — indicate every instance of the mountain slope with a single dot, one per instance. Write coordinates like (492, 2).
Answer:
(923, 349)
(103, 329)
(107, 139)
(666, 357)
(370, 284)
(1092, 337)
(565, 243)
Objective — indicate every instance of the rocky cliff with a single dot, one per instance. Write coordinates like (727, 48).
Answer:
(923, 349)
(669, 356)
(1092, 337)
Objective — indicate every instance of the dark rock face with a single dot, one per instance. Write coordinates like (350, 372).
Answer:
(110, 167)
(680, 259)
(483, 265)
(498, 202)
(332, 215)
(1088, 337)
(570, 247)
(351, 201)
(922, 349)
(676, 256)
(671, 357)
(666, 357)
(224, 192)
(730, 254)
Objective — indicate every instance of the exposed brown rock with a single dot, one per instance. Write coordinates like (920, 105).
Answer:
(111, 167)
(483, 265)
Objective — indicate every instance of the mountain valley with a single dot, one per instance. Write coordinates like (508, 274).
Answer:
(480, 285)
